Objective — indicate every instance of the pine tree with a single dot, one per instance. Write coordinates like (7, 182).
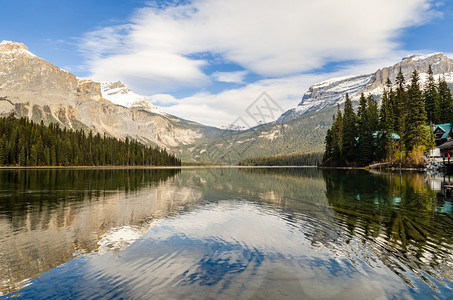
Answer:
(431, 96)
(384, 142)
(33, 156)
(349, 130)
(386, 113)
(362, 109)
(445, 101)
(328, 154)
(3, 154)
(337, 136)
(416, 114)
(400, 103)
(392, 105)
(371, 128)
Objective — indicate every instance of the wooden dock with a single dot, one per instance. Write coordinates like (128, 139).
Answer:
(379, 165)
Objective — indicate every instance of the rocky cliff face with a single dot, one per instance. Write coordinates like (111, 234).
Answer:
(33, 87)
(21, 70)
(330, 92)
(440, 64)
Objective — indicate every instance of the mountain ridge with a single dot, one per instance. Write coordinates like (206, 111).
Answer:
(303, 129)
(332, 91)
(32, 87)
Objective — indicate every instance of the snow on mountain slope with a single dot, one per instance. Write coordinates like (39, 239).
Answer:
(332, 91)
(326, 94)
(34, 88)
(118, 93)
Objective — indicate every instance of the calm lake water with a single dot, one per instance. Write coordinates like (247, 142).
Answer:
(225, 233)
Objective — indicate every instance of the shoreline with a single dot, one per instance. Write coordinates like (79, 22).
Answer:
(200, 167)
(146, 167)
(373, 169)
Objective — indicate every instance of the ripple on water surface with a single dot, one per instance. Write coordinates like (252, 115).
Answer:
(232, 249)
(234, 234)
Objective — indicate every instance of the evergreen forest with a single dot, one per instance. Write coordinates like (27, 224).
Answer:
(400, 130)
(25, 143)
(308, 159)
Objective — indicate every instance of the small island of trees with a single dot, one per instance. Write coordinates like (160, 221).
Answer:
(399, 131)
(25, 143)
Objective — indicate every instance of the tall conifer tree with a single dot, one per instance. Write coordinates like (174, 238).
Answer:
(349, 130)
(367, 130)
(362, 108)
(431, 97)
(384, 141)
(337, 136)
(400, 103)
(3, 154)
(445, 101)
(416, 114)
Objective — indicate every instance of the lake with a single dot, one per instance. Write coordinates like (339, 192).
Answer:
(222, 233)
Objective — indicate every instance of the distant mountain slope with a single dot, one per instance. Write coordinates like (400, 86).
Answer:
(303, 129)
(330, 92)
(304, 134)
(33, 87)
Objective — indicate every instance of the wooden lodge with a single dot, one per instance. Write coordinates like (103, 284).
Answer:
(442, 133)
(444, 142)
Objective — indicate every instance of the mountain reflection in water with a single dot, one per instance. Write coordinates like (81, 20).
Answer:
(230, 233)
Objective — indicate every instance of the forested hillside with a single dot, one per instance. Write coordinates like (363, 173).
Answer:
(25, 143)
(400, 130)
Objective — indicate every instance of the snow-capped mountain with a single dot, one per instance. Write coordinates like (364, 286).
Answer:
(326, 94)
(34, 88)
(118, 93)
(330, 92)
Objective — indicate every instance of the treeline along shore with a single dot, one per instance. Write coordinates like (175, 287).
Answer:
(308, 159)
(399, 131)
(25, 143)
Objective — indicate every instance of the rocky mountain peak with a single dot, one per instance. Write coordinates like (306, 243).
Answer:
(13, 47)
(440, 64)
(330, 92)
(114, 85)
(34, 88)
(417, 57)
(21, 70)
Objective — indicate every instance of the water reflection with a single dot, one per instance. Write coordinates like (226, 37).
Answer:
(241, 233)
(49, 216)
(234, 250)
(443, 185)
(398, 217)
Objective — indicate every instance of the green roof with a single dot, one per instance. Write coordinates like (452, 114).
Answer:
(445, 127)
(393, 135)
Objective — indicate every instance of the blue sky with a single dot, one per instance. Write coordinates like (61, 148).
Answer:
(207, 60)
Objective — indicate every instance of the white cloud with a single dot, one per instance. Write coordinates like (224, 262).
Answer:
(163, 99)
(226, 107)
(150, 70)
(163, 48)
(230, 77)
(268, 37)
